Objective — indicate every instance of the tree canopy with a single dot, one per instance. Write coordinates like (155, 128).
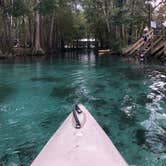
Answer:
(52, 24)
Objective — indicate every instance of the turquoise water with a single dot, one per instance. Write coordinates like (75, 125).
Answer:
(128, 100)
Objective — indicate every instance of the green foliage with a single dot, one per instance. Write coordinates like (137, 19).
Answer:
(79, 25)
(113, 23)
(116, 19)
(64, 20)
(18, 8)
(47, 6)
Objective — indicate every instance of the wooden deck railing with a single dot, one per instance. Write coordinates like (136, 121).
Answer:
(157, 40)
(156, 48)
(136, 46)
(160, 48)
(160, 53)
(142, 44)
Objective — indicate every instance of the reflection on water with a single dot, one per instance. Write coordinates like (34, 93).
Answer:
(128, 100)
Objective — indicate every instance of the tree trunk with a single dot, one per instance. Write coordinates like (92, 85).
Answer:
(130, 33)
(7, 30)
(106, 19)
(31, 34)
(51, 31)
(37, 46)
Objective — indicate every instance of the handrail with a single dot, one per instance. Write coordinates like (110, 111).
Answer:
(148, 47)
(131, 47)
(138, 43)
(149, 36)
(157, 48)
(157, 40)
(159, 52)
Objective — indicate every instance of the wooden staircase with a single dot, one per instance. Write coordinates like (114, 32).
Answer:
(155, 47)
(135, 48)
(159, 51)
(148, 49)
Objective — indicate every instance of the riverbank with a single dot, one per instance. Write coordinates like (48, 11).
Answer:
(21, 51)
(23, 56)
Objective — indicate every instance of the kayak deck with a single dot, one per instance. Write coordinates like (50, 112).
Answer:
(87, 146)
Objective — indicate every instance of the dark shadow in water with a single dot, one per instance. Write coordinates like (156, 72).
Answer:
(99, 88)
(106, 129)
(72, 95)
(140, 137)
(73, 99)
(126, 121)
(134, 75)
(6, 91)
(45, 79)
(142, 99)
(156, 143)
(98, 103)
(134, 85)
(23, 155)
(52, 122)
(62, 92)
(26, 152)
(4, 160)
(115, 85)
(151, 141)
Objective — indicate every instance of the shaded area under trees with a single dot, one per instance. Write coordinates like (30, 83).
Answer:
(40, 26)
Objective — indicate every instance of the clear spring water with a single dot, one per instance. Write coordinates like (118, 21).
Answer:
(128, 100)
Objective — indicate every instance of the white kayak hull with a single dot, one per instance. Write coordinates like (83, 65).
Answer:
(87, 146)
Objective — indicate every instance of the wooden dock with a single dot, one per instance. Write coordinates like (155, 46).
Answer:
(104, 52)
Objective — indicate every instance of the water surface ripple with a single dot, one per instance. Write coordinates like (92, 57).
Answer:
(128, 100)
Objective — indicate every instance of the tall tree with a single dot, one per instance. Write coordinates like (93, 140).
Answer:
(37, 44)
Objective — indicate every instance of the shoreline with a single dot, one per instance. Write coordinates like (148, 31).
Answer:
(31, 57)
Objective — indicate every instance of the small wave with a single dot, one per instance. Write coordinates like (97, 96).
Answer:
(157, 93)
(155, 126)
(158, 86)
(3, 108)
(155, 134)
(128, 110)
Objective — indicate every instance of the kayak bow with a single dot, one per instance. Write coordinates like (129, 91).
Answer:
(80, 141)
